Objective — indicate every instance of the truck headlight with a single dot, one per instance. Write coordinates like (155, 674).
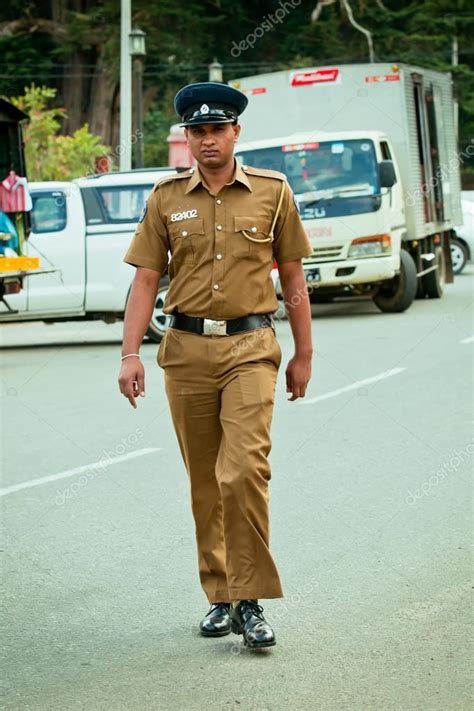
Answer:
(372, 246)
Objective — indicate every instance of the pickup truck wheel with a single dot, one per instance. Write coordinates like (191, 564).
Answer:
(458, 255)
(159, 321)
(400, 292)
(433, 282)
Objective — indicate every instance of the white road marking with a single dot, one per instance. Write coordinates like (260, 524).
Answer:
(469, 339)
(101, 465)
(354, 386)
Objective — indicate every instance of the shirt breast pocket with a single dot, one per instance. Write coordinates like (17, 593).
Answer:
(251, 238)
(186, 240)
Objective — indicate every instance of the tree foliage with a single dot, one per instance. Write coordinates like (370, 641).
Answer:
(50, 156)
(73, 45)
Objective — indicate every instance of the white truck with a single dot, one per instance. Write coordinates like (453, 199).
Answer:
(370, 153)
(81, 231)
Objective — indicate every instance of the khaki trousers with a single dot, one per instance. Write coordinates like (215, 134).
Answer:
(221, 392)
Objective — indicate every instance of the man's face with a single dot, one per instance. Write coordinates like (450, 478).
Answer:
(212, 144)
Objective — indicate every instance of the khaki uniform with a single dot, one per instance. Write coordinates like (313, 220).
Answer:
(221, 388)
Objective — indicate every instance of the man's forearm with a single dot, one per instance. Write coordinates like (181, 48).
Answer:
(139, 311)
(298, 308)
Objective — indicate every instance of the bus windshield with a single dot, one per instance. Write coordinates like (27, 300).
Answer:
(329, 179)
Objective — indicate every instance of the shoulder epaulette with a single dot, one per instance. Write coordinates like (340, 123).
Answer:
(173, 176)
(264, 172)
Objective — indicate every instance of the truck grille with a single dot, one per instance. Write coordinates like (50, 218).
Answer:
(322, 254)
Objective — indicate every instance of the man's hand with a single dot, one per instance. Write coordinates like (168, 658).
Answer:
(295, 293)
(140, 304)
(298, 374)
(132, 379)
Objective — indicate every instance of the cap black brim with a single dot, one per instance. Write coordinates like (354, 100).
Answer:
(200, 120)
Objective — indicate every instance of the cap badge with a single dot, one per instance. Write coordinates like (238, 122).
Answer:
(204, 109)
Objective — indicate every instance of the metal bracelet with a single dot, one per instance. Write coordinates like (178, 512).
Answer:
(130, 354)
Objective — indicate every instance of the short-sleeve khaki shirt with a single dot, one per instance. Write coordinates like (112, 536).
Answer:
(215, 270)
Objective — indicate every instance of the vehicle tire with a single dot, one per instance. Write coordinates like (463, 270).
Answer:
(159, 321)
(400, 292)
(458, 255)
(433, 282)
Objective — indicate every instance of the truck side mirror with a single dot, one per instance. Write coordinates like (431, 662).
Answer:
(387, 177)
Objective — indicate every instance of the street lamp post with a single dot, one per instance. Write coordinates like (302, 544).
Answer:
(215, 71)
(137, 52)
(125, 87)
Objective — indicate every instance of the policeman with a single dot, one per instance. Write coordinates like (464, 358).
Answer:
(223, 224)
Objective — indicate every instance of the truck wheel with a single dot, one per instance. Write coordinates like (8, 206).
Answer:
(458, 255)
(433, 282)
(400, 292)
(159, 320)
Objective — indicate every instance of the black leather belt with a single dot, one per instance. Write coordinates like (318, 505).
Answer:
(211, 327)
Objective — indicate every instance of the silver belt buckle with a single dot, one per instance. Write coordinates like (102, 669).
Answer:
(214, 328)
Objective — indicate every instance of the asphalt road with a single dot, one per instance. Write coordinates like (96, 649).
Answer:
(371, 525)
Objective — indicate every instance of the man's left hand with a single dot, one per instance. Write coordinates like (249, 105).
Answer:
(298, 374)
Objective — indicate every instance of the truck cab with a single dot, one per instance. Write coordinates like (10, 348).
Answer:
(354, 224)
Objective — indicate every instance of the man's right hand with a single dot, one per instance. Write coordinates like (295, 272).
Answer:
(132, 379)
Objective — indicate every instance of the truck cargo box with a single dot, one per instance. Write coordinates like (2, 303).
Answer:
(413, 106)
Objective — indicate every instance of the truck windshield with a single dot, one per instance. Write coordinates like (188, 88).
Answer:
(329, 179)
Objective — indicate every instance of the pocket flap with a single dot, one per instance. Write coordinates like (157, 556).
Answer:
(183, 228)
(252, 225)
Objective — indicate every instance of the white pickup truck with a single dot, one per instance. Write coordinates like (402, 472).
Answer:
(81, 230)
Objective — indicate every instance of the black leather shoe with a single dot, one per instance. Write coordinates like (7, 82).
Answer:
(247, 619)
(217, 621)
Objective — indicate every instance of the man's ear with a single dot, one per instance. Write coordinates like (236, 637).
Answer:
(236, 128)
(186, 134)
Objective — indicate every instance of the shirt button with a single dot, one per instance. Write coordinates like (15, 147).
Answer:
(218, 227)
(218, 256)
(184, 233)
(254, 229)
(216, 286)
(219, 202)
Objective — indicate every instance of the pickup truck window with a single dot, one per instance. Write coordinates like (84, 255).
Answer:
(49, 212)
(114, 204)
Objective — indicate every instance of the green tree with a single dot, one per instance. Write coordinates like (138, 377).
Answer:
(73, 45)
(50, 156)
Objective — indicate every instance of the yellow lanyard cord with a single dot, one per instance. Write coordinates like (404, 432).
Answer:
(270, 237)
